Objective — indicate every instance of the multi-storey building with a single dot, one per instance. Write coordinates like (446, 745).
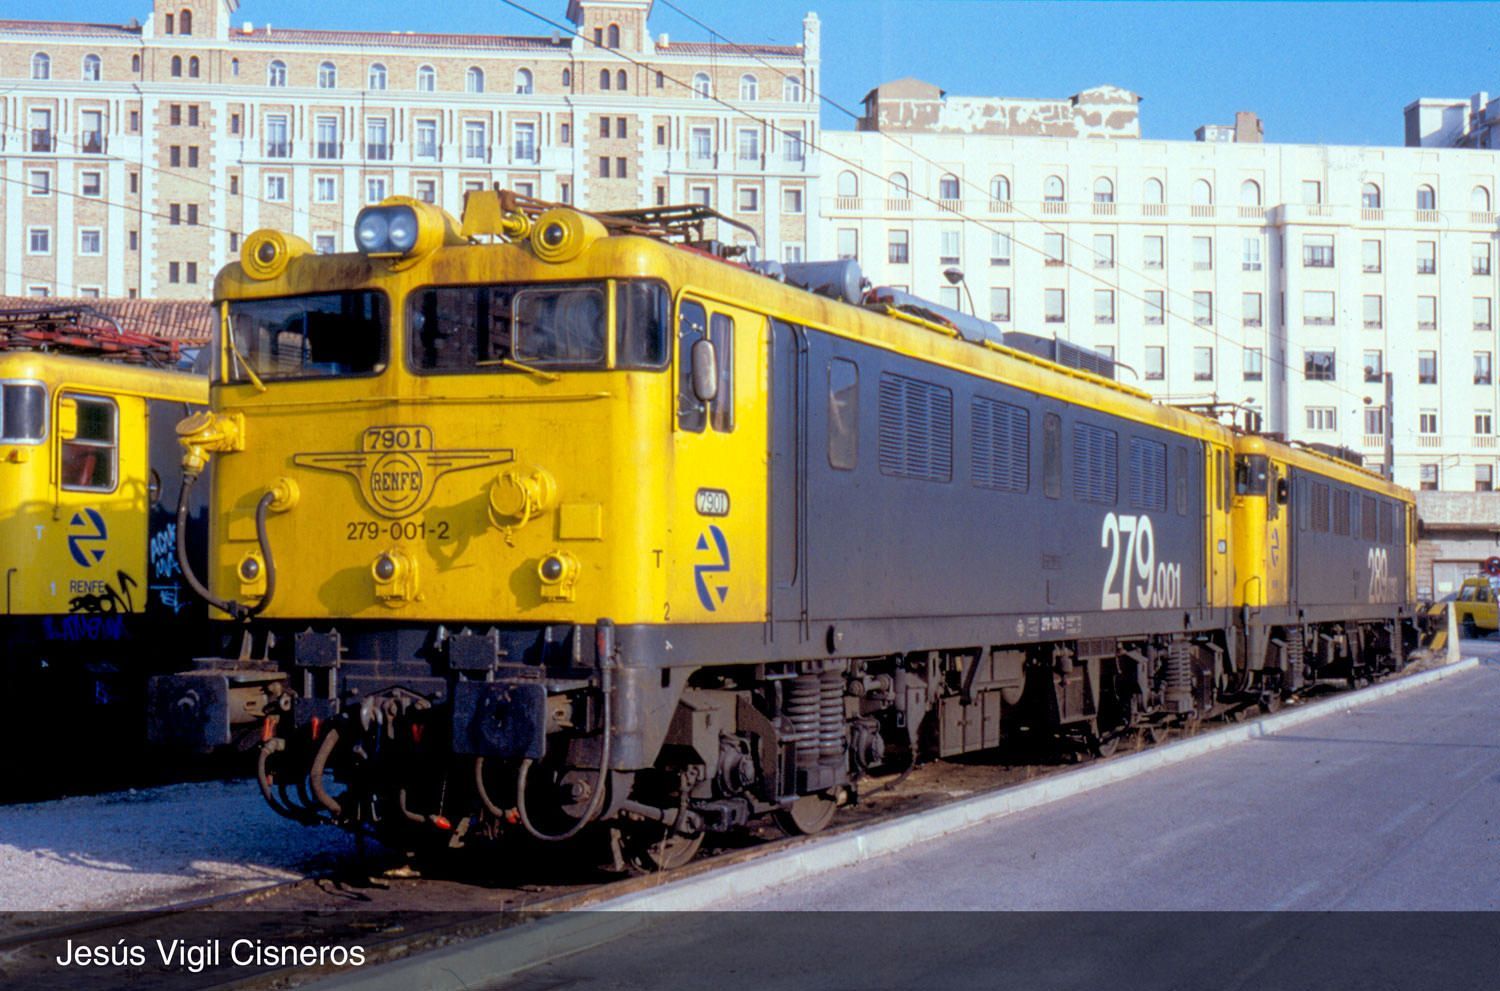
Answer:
(133, 158)
(1288, 278)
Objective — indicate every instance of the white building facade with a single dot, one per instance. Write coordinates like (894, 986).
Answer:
(1289, 278)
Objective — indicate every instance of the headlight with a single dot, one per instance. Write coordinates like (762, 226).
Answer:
(373, 231)
(403, 229)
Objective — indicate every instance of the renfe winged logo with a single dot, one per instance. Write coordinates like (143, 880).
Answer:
(398, 467)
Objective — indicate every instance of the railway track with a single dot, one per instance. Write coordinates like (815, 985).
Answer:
(375, 904)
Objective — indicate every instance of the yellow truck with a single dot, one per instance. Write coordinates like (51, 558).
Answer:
(1474, 607)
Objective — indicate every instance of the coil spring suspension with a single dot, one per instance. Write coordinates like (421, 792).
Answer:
(802, 709)
(831, 719)
(1179, 676)
(1296, 656)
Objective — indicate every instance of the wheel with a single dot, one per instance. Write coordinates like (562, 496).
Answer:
(1153, 733)
(1470, 631)
(1105, 746)
(652, 847)
(1271, 702)
(808, 814)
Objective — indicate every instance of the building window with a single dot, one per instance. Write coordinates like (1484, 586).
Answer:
(1249, 193)
(192, 115)
(174, 272)
(702, 88)
(1104, 251)
(1375, 420)
(748, 142)
(748, 199)
(620, 168)
(377, 77)
(791, 199)
(1054, 306)
(1427, 313)
(39, 241)
(90, 184)
(374, 189)
(1427, 421)
(476, 141)
(174, 212)
(1000, 304)
(1484, 422)
(276, 188)
(604, 166)
(613, 36)
(176, 69)
(1317, 251)
(192, 214)
(41, 66)
(134, 240)
(948, 296)
(1426, 198)
(1000, 248)
(474, 80)
(848, 242)
(1312, 192)
(90, 241)
(793, 148)
(185, 22)
(1321, 418)
(1104, 190)
(192, 273)
(234, 123)
(1317, 308)
(325, 188)
(1479, 200)
(701, 144)
(1482, 308)
(1203, 364)
(949, 250)
(999, 189)
(1374, 366)
(1484, 477)
(92, 68)
(39, 183)
(234, 185)
(1254, 364)
(525, 141)
(524, 82)
(1156, 363)
(1152, 249)
(1374, 307)
(1427, 368)
(1479, 263)
(1104, 306)
(848, 185)
(1054, 249)
(1427, 476)
(791, 89)
(377, 139)
(1155, 306)
(1318, 366)
(174, 156)
(565, 133)
(328, 75)
(193, 67)
(749, 87)
(1370, 256)
(326, 137)
(277, 143)
(276, 73)
(704, 196)
(621, 81)
(1203, 254)
(792, 253)
(1369, 196)
(1053, 190)
(1203, 308)
(323, 244)
(948, 188)
(1483, 373)
(426, 79)
(234, 67)
(897, 245)
(1250, 309)
(1152, 192)
(1426, 257)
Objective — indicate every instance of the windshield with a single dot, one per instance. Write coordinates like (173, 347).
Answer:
(550, 325)
(293, 337)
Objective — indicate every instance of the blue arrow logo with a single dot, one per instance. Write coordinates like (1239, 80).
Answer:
(85, 555)
(721, 566)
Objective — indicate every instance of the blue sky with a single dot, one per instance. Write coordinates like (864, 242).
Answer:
(1335, 73)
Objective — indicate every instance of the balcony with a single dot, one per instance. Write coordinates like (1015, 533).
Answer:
(1485, 441)
(1203, 266)
(1426, 267)
(92, 142)
(898, 206)
(1485, 325)
(1376, 441)
(1104, 209)
(1252, 213)
(377, 152)
(951, 205)
(1153, 209)
(1250, 322)
(1484, 218)
(1429, 440)
(1054, 207)
(1481, 268)
(328, 149)
(1428, 217)
(1202, 211)
(1104, 263)
(1372, 214)
(278, 149)
(1317, 321)
(1001, 206)
(43, 139)
(1370, 269)
(1250, 266)
(1374, 324)
(1427, 325)
(846, 203)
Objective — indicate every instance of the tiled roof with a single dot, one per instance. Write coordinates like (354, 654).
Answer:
(69, 27)
(394, 39)
(178, 319)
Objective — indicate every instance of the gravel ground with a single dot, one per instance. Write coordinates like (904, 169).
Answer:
(146, 848)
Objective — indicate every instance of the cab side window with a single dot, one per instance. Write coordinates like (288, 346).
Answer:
(721, 335)
(90, 457)
(692, 327)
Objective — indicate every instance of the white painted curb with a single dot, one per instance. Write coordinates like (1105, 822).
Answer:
(487, 959)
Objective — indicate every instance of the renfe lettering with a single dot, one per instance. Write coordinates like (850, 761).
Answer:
(396, 481)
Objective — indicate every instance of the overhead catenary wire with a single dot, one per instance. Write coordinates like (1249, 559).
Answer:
(860, 167)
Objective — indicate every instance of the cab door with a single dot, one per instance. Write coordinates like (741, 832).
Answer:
(1278, 534)
(718, 572)
(98, 545)
(1220, 569)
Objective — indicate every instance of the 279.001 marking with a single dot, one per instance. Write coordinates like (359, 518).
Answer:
(395, 530)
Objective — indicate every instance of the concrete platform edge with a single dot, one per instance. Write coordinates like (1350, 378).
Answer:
(482, 961)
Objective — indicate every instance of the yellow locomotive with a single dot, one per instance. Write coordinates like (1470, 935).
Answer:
(539, 519)
(93, 595)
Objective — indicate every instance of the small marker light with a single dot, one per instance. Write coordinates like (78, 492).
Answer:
(552, 568)
(249, 569)
(554, 234)
(266, 253)
(385, 568)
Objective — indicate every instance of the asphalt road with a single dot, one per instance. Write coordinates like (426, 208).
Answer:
(1395, 805)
